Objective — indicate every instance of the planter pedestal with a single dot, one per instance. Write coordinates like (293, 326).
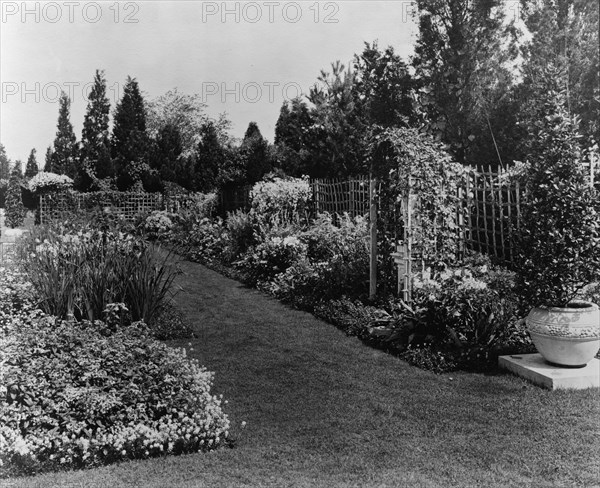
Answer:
(534, 368)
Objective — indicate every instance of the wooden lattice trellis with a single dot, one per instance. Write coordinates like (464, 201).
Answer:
(127, 205)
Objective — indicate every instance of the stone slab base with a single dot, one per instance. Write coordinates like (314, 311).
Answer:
(534, 368)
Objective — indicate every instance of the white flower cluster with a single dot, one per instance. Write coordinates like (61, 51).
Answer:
(282, 197)
(45, 181)
(159, 222)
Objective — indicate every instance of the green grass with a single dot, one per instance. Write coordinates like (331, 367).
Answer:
(325, 410)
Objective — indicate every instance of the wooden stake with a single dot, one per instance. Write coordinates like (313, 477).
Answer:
(373, 229)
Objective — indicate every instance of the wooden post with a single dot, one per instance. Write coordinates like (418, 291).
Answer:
(461, 223)
(408, 242)
(373, 229)
(592, 164)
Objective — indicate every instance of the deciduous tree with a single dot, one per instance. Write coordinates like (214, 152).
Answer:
(463, 58)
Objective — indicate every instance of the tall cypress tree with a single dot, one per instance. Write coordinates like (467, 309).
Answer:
(166, 155)
(32, 166)
(65, 157)
(210, 159)
(4, 164)
(95, 142)
(15, 210)
(129, 145)
(254, 150)
(48, 160)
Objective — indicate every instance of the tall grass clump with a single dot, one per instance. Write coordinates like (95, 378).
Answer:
(78, 274)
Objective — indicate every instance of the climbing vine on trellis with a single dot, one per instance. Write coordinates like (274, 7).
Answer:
(415, 173)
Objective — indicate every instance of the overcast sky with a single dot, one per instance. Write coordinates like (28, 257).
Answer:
(243, 58)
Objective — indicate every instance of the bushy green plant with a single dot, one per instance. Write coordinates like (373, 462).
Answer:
(559, 233)
(192, 210)
(71, 397)
(281, 201)
(158, 223)
(336, 263)
(429, 359)
(205, 242)
(15, 210)
(241, 233)
(3, 188)
(351, 316)
(269, 258)
(470, 309)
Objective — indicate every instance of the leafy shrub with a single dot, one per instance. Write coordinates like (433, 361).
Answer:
(205, 242)
(341, 255)
(158, 223)
(3, 188)
(470, 310)
(429, 359)
(241, 233)
(268, 259)
(192, 210)
(71, 397)
(336, 262)
(15, 210)
(353, 317)
(281, 201)
(559, 252)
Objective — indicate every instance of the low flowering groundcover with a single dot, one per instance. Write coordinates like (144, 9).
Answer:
(73, 395)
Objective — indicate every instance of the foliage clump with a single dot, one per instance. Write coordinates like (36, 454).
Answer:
(15, 210)
(73, 397)
(559, 234)
(79, 273)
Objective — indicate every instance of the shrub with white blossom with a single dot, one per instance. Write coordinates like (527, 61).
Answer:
(45, 182)
(158, 223)
(281, 201)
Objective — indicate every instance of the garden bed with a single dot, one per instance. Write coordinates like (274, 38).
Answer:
(84, 382)
(324, 410)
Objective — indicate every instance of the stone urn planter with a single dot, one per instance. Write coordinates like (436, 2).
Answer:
(568, 336)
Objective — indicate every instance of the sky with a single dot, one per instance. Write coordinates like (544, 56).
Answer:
(242, 58)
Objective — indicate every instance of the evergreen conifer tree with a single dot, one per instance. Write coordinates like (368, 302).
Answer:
(95, 143)
(15, 211)
(65, 157)
(32, 166)
(130, 144)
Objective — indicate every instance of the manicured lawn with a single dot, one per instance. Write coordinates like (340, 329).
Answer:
(325, 410)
